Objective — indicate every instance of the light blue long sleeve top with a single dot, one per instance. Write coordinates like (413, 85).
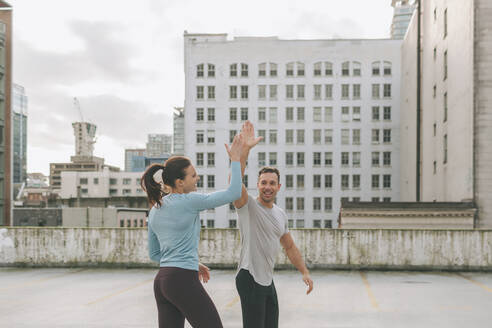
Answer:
(174, 227)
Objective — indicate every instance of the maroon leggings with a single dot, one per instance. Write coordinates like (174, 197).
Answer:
(179, 295)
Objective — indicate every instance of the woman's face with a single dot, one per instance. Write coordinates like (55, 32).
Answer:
(190, 180)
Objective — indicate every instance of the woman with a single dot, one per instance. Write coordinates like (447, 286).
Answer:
(174, 232)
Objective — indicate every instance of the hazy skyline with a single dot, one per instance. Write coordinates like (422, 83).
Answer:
(127, 56)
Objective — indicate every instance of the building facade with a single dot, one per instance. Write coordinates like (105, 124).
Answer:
(403, 11)
(159, 144)
(19, 117)
(130, 164)
(5, 113)
(178, 131)
(456, 108)
(328, 111)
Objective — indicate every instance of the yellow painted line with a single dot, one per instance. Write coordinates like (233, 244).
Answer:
(233, 302)
(33, 282)
(479, 284)
(120, 292)
(374, 303)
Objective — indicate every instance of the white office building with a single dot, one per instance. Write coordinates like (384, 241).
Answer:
(328, 111)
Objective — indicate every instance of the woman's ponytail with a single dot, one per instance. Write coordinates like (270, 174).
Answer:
(153, 188)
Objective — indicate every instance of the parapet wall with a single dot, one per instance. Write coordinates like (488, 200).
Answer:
(219, 248)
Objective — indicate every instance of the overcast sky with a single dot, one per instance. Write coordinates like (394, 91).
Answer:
(123, 59)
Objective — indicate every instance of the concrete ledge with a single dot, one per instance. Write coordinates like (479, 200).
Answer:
(370, 249)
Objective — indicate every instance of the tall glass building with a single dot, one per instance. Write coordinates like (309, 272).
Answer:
(401, 18)
(19, 120)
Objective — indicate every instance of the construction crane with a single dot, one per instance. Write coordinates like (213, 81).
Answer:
(77, 105)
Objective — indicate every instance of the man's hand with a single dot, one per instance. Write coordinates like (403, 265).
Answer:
(203, 273)
(308, 281)
(248, 133)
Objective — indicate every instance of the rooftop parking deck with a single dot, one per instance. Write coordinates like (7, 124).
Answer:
(124, 298)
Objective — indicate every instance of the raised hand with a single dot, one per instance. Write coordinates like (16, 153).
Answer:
(234, 151)
(248, 133)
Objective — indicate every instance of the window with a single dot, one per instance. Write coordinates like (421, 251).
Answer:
(199, 159)
(210, 136)
(445, 102)
(375, 91)
(387, 68)
(272, 158)
(356, 114)
(386, 199)
(300, 113)
(233, 91)
(262, 133)
(125, 192)
(345, 91)
(199, 114)
(244, 113)
(356, 136)
(211, 92)
(300, 159)
(300, 205)
(273, 69)
(289, 181)
(317, 136)
(387, 135)
(289, 204)
(261, 159)
(317, 69)
(375, 113)
(300, 222)
(317, 223)
(375, 136)
(262, 69)
(345, 114)
(273, 92)
(300, 69)
(445, 22)
(244, 70)
(300, 136)
(210, 181)
(375, 181)
(435, 53)
(289, 158)
(387, 90)
(316, 203)
(328, 204)
(356, 159)
(289, 114)
(289, 91)
(345, 181)
(261, 114)
(387, 158)
(328, 181)
(316, 158)
(232, 224)
(210, 223)
(356, 69)
(96, 181)
(200, 136)
(328, 69)
(345, 136)
(434, 91)
(328, 91)
(328, 136)
(233, 114)
(375, 68)
(289, 69)
(375, 199)
(289, 136)
(328, 158)
(435, 129)
(199, 70)
(345, 158)
(262, 92)
(317, 91)
(211, 70)
(386, 181)
(317, 114)
(84, 181)
(273, 114)
(199, 92)
(300, 180)
(345, 68)
(327, 224)
(356, 181)
(210, 159)
(233, 70)
(211, 114)
(300, 91)
(244, 92)
(375, 159)
(387, 113)
(435, 167)
(445, 144)
(317, 181)
(356, 91)
(328, 114)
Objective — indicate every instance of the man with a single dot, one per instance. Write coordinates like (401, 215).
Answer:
(262, 225)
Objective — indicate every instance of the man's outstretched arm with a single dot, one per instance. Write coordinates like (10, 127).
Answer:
(295, 258)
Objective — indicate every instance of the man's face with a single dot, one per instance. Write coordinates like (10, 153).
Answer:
(268, 186)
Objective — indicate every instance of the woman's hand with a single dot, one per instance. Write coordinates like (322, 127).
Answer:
(248, 133)
(203, 273)
(236, 147)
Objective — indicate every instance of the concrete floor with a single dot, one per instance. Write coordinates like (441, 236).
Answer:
(124, 298)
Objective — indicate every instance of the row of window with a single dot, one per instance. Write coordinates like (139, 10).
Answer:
(295, 69)
(114, 192)
(295, 91)
(327, 224)
(112, 181)
(318, 138)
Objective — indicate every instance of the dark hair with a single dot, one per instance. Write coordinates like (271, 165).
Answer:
(269, 169)
(173, 168)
